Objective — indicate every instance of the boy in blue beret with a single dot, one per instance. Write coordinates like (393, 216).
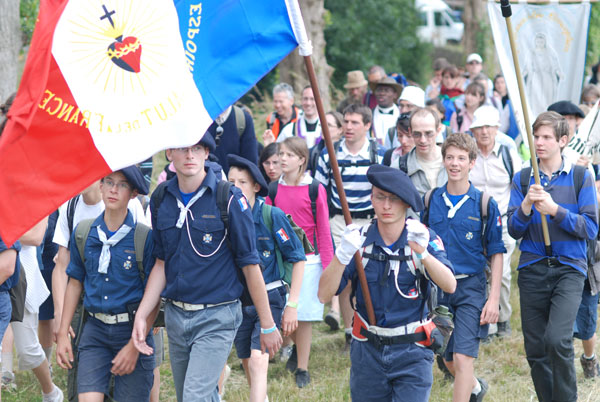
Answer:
(401, 257)
(454, 211)
(276, 242)
(104, 263)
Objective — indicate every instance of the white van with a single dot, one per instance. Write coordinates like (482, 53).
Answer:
(438, 24)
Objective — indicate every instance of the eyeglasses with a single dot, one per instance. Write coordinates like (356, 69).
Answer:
(429, 134)
(195, 149)
(120, 185)
(382, 198)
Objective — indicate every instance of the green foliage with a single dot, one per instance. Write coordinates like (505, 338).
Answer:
(363, 33)
(593, 49)
(29, 11)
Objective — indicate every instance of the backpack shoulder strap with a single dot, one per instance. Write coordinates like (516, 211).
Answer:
(267, 217)
(71, 205)
(240, 119)
(525, 177)
(426, 202)
(313, 193)
(223, 188)
(387, 157)
(390, 133)
(403, 163)
(484, 205)
(507, 161)
(273, 187)
(373, 151)
(81, 234)
(157, 198)
(140, 235)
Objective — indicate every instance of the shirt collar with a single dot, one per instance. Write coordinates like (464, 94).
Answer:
(565, 167)
(210, 181)
(363, 153)
(373, 237)
(99, 221)
(306, 179)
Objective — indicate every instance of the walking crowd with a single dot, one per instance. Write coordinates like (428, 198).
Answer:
(243, 243)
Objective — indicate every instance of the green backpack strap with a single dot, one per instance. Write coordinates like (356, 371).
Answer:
(81, 234)
(240, 119)
(267, 213)
(139, 240)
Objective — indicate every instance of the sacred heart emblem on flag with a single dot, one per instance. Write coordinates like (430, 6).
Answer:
(126, 53)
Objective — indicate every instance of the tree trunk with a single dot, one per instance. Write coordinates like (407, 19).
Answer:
(10, 44)
(292, 69)
(472, 15)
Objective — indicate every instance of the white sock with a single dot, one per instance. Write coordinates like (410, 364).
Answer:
(584, 356)
(7, 362)
(48, 352)
(476, 388)
(51, 393)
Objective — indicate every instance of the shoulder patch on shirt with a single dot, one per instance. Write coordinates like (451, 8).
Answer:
(437, 244)
(282, 235)
(243, 203)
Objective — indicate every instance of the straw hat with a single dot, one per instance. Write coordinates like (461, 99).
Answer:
(388, 81)
(356, 79)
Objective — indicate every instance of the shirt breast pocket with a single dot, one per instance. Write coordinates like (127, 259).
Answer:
(470, 231)
(207, 235)
(169, 233)
(266, 249)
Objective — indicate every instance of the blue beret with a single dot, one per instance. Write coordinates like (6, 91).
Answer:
(396, 182)
(243, 163)
(566, 108)
(135, 178)
(208, 141)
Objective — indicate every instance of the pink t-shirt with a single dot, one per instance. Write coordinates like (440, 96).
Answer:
(295, 200)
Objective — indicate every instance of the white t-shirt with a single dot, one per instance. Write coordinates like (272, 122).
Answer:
(432, 168)
(84, 211)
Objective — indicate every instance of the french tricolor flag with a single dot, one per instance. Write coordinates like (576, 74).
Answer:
(109, 83)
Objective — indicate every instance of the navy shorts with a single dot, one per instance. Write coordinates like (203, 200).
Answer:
(47, 307)
(466, 304)
(248, 335)
(587, 315)
(99, 345)
(393, 373)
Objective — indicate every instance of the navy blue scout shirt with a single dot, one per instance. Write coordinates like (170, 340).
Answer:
(391, 309)
(287, 242)
(122, 285)
(210, 277)
(575, 221)
(14, 278)
(462, 233)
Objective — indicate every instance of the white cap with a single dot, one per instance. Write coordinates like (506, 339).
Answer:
(414, 95)
(474, 57)
(486, 116)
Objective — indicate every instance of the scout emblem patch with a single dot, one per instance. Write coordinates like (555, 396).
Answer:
(266, 253)
(127, 264)
(207, 238)
(469, 235)
(282, 235)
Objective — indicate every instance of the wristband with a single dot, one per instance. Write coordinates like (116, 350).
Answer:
(291, 304)
(423, 256)
(269, 330)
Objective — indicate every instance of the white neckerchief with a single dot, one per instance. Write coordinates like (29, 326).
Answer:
(454, 208)
(183, 209)
(104, 259)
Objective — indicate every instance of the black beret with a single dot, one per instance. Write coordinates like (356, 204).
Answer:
(208, 141)
(135, 178)
(243, 163)
(565, 108)
(396, 182)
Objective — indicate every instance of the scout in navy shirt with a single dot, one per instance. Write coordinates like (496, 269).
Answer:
(113, 286)
(454, 212)
(403, 257)
(198, 262)
(278, 238)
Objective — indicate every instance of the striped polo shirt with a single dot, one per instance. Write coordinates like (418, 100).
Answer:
(575, 221)
(356, 185)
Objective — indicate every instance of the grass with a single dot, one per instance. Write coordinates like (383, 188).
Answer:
(502, 363)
